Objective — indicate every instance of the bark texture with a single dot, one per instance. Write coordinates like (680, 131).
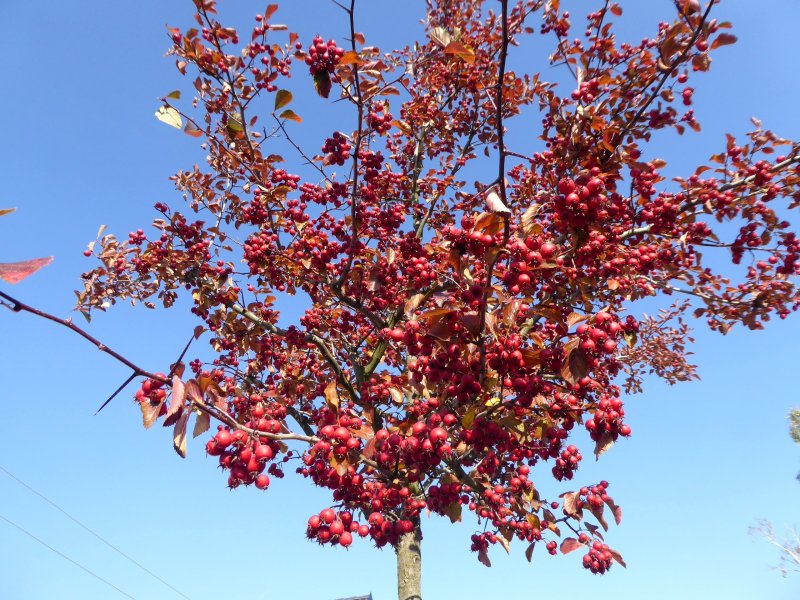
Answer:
(409, 565)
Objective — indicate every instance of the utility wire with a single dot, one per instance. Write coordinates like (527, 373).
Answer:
(97, 535)
(62, 555)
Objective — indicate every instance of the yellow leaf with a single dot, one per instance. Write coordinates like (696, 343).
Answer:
(170, 116)
(282, 98)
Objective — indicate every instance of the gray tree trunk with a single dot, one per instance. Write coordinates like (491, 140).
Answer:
(409, 565)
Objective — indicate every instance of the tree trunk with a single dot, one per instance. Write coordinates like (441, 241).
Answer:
(409, 565)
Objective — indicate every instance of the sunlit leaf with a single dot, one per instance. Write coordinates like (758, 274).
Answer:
(5, 211)
(460, 50)
(179, 435)
(170, 116)
(17, 271)
(282, 98)
(291, 116)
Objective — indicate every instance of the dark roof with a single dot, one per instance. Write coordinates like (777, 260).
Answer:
(367, 597)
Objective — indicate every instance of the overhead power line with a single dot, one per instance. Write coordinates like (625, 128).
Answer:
(62, 555)
(94, 533)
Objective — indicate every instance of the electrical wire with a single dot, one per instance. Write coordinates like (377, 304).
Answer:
(62, 555)
(95, 534)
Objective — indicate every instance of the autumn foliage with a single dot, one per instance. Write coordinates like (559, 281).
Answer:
(469, 305)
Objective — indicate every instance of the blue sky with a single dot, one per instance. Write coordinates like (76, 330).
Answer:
(82, 80)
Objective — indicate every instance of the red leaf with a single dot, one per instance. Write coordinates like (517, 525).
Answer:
(192, 130)
(723, 39)
(569, 545)
(17, 271)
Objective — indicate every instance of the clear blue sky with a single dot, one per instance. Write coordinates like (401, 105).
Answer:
(81, 148)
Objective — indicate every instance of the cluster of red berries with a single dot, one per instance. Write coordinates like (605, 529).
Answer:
(594, 497)
(323, 57)
(587, 91)
(379, 118)
(608, 419)
(331, 527)
(567, 463)
(598, 560)
(152, 391)
(337, 149)
(602, 336)
(246, 459)
(584, 200)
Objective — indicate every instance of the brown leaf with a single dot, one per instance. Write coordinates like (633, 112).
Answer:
(176, 402)
(201, 424)
(617, 557)
(528, 217)
(615, 510)
(322, 83)
(291, 116)
(179, 435)
(5, 211)
(570, 500)
(574, 366)
(149, 413)
(483, 557)
(616, 10)
(17, 271)
(440, 36)
(603, 444)
(453, 511)
(396, 395)
(369, 448)
(460, 50)
(574, 318)
(282, 98)
(569, 545)
(193, 393)
(598, 514)
(332, 395)
(529, 551)
(413, 303)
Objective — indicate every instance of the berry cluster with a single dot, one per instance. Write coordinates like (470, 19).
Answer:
(245, 458)
(337, 149)
(567, 463)
(599, 558)
(153, 391)
(322, 56)
(379, 118)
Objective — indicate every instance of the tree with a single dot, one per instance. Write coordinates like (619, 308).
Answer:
(456, 332)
